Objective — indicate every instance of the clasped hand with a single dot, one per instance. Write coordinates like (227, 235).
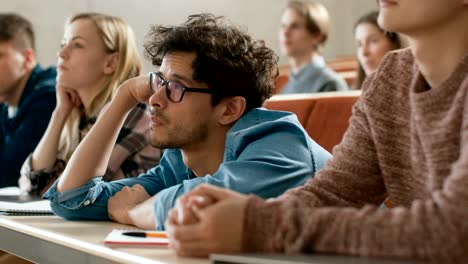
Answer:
(206, 220)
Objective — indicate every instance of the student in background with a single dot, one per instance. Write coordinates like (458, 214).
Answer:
(304, 28)
(407, 139)
(206, 100)
(372, 44)
(98, 53)
(27, 96)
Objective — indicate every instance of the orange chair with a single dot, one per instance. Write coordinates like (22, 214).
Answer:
(300, 106)
(323, 115)
(328, 120)
(343, 64)
(280, 83)
(346, 67)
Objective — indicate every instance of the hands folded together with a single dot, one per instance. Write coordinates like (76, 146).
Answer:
(207, 220)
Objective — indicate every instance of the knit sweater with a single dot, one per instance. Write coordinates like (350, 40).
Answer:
(406, 142)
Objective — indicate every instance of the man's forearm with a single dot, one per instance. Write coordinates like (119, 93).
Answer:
(142, 215)
(92, 154)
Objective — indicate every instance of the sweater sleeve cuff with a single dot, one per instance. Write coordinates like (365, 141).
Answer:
(259, 225)
(38, 181)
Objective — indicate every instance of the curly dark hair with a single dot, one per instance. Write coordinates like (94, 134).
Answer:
(13, 25)
(227, 58)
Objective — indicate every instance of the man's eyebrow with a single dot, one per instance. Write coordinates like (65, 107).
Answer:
(179, 77)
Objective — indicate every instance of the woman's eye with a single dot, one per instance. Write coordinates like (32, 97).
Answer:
(77, 45)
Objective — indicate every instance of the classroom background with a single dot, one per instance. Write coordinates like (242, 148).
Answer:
(260, 18)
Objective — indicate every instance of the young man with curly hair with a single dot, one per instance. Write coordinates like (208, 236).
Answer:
(205, 100)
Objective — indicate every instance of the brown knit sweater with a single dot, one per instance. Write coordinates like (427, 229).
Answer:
(405, 142)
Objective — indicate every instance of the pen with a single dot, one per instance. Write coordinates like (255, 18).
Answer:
(145, 234)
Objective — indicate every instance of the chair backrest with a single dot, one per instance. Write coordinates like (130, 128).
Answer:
(324, 116)
(343, 64)
(347, 67)
(280, 83)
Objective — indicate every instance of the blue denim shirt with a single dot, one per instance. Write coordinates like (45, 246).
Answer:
(266, 153)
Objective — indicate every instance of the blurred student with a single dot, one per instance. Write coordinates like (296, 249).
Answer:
(372, 44)
(407, 139)
(304, 28)
(27, 96)
(98, 53)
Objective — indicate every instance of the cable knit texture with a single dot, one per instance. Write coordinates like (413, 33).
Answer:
(405, 142)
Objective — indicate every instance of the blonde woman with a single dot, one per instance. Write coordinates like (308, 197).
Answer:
(98, 53)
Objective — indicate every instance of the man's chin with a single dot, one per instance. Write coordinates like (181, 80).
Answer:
(159, 144)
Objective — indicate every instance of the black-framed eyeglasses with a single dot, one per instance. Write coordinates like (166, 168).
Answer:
(174, 90)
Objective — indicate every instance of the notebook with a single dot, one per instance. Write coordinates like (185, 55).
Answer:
(12, 190)
(26, 208)
(23, 198)
(116, 238)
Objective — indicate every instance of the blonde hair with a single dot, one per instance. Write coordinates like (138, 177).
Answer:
(316, 16)
(118, 37)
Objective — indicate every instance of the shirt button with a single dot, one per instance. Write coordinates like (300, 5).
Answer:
(86, 203)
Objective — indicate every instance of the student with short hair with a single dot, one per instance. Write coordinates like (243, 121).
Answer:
(205, 99)
(407, 140)
(27, 96)
(304, 29)
(98, 53)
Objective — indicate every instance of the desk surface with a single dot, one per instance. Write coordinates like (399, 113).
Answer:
(50, 239)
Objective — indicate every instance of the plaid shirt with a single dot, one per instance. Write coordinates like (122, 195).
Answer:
(131, 156)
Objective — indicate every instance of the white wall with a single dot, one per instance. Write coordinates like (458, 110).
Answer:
(259, 17)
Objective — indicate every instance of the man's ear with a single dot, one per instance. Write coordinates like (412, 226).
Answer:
(112, 61)
(29, 59)
(232, 108)
(318, 39)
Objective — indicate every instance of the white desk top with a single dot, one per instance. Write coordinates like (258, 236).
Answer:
(78, 238)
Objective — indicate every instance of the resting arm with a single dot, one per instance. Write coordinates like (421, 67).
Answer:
(92, 155)
(142, 215)
(432, 228)
(91, 201)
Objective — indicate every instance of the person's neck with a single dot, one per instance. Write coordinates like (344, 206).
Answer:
(14, 98)
(206, 157)
(440, 51)
(299, 62)
(88, 93)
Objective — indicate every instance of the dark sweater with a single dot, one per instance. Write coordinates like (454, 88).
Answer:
(20, 135)
(405, 142)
